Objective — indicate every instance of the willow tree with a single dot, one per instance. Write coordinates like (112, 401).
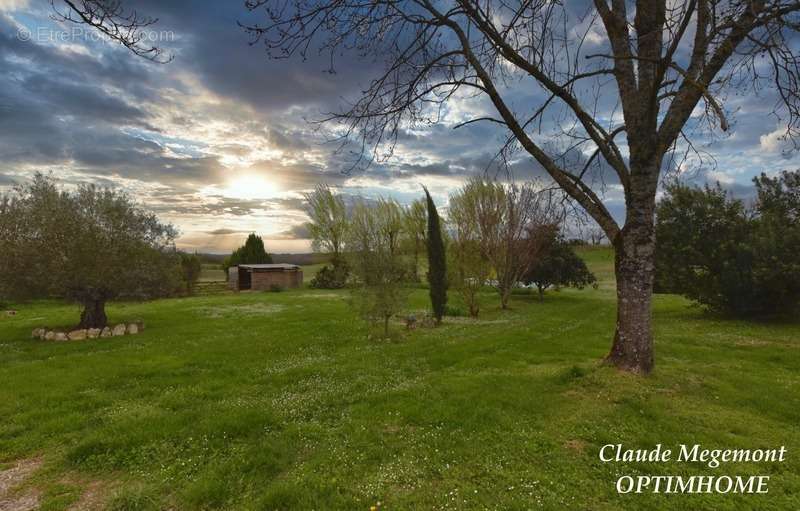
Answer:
(328, 225)
(617, 80)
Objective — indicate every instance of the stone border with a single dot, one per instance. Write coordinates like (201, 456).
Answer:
(46, 334)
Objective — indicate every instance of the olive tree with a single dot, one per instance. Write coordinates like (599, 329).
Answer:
(89, 246)
(625, 83)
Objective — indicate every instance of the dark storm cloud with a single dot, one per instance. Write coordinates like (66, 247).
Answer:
(104, 115)
(225, 232)
(295, 232)
(216, 48)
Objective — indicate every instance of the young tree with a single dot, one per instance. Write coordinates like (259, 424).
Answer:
(469, 269)
(88, 246)
(252, 252)
(328, 225)
(559, 266)
(437, 261)
(392, 225)
(416, 226)
(663, 59)
(379, 290)
(510, 221)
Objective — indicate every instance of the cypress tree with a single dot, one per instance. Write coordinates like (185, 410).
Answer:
(252, 252)
(437, 266)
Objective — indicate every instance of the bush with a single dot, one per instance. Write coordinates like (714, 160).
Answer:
(559, 266)
(453, 312)
(276, 288)
(727, 257)
(331, 276)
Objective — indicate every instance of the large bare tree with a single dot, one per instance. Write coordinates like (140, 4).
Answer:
(623, 80)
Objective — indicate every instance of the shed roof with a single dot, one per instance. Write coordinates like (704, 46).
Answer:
(279, 266)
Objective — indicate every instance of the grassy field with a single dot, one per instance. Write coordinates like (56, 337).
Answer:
(212, 273)
(284, 401)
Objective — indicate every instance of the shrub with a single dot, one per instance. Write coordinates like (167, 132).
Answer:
(331, 276)
(727, 257)
(559, 266)
(276, 288)
(453, 312)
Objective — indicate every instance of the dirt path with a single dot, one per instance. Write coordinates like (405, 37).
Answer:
(13, 477)
(15, 497)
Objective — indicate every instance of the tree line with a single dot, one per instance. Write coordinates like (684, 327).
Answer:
(496, 235)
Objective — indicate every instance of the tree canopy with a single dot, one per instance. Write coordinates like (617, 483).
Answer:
(728, 256)
(252, 252)
(558, 266)
(90, 245)
(328, 225)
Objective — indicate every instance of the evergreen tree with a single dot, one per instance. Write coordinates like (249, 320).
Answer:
(252, 252)
(437, 266)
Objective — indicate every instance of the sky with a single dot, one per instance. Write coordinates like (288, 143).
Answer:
(221, 140)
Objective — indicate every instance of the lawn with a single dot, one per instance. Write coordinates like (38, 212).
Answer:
(285, 401)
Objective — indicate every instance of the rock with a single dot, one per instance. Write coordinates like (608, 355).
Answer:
(140, 325)
(60, 336)
(37, 333)
(93, 333)
(11, 313)
(133, 329)
(118, 330)
(106, 332)
(50, 336)
(77, 335)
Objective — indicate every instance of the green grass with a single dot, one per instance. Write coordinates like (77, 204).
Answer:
(284, 401)
(212, 273)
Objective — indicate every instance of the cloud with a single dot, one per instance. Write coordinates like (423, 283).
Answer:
(295, 232)
(224, 232)
(178, 135)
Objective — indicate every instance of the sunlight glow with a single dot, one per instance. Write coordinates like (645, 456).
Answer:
(250, 187)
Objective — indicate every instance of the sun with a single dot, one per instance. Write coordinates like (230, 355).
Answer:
(250, 187)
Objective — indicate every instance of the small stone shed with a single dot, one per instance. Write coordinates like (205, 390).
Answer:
(263, 277)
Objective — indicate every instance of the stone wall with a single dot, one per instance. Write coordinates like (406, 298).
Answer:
(233, 278)
(46, 334)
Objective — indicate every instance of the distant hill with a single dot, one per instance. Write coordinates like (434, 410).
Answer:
(300, 259)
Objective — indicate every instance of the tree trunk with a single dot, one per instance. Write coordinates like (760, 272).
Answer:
(474, 307)
(541, 293)
(94, 314)
(634, 264)
(505, 294)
